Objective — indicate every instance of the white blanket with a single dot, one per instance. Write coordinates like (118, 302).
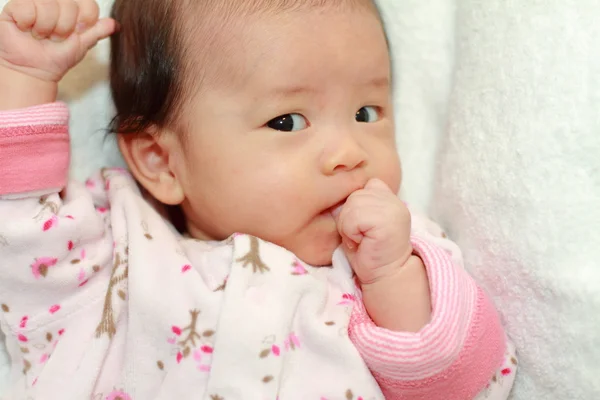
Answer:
(519, 181)
(511, 168)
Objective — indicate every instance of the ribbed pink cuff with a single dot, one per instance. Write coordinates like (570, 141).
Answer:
(34, 149)
(451, 358)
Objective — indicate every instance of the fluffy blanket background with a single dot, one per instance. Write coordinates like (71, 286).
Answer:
(498, 115)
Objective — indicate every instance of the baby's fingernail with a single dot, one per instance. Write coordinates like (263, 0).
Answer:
(56, 38)
(349, 244)
(36, 35)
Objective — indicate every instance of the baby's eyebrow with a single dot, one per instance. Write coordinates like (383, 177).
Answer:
(380, 82)
(300, 90)
(294, 90)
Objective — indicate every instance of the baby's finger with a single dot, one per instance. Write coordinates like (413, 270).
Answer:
(88, 14)
(375, 184)
(69, 10)
(22, 12)
(101, 30)
(47, 12)
(350, 227)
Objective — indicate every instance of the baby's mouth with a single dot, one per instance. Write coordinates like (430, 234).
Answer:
(336, 209)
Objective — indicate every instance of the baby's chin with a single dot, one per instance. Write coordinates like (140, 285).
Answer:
(317, 253)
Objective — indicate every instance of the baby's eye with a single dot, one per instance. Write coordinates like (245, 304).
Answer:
(367, 114)
(288, 123)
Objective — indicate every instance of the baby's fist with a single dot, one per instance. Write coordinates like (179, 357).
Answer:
(46, 38)
(375, 228)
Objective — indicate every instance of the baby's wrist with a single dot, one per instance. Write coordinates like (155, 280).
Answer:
(390, 270)
(401, 300)
(20, 90)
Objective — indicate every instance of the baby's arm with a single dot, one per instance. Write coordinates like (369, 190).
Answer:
(460, 353)
(51, 236)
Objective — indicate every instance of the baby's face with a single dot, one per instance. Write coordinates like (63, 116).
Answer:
(304, 120)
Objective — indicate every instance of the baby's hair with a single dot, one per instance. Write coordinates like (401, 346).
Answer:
(150, 74)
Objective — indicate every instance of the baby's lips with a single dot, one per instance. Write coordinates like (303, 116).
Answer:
(335, 213)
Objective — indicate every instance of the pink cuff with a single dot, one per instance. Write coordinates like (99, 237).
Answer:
(34, 149)
(451, 358)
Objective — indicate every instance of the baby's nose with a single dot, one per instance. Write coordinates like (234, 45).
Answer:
(345, 154)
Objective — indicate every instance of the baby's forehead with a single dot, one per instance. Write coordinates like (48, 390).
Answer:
(219, 45)
(246, 7)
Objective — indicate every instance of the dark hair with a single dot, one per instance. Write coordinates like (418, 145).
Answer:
(148, 66)
(145, 73)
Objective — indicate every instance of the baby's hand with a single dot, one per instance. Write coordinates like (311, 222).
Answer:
(375, 228)
(45, 38)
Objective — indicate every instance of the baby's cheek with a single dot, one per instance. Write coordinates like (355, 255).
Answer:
(391, 172)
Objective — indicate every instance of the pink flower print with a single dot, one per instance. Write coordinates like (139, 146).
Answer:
(41, 265)
(177, 331)
(22, 338)
(54, 309)
(90, 184)
(275, 350)
(186, 268)
(81, 275)
(69, 217)
(23, 322)
(70, 245)
(101, 210)
(49, 224)
(200, 355)
(43, 358)
(292, 342)
(298, 268)
(60, 332)
(506, 371)
(118, 395)
(179, 357)
(347, 298)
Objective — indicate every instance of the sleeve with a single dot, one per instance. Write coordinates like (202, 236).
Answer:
(34, 150)
(53, 239)
(459, 355)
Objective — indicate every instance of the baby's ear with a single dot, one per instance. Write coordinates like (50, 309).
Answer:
(148, 156)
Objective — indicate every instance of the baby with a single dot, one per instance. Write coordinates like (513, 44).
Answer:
(256, 247)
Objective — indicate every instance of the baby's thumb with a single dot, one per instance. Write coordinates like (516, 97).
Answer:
(101, 30)
(377, 185)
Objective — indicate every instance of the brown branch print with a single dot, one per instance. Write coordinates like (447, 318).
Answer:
(49, 204)
(253, 258)
(221, 287)
(107, 323)
(46, 205)
(191, 329)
